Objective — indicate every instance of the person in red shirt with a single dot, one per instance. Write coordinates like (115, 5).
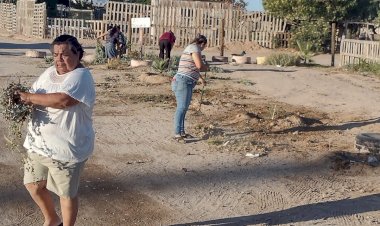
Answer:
(166, 43)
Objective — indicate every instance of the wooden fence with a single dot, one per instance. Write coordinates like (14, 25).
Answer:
(120, 13)
(25, 11)
(184, 18)
(187, 18)
(25, 18)
(8, 17)
(352, 51)
(39, 20)
(79, 28)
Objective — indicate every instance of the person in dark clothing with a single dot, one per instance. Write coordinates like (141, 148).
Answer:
(167, 41)
(121, 43)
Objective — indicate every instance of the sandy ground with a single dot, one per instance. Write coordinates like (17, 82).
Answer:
(302, 121)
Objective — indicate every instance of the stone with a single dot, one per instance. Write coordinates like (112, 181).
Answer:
(241, 59)
(140, 63)
(35, 54)
(88, 58)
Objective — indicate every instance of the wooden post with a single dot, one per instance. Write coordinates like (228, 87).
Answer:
(333, 31)
(221, 37)
(141, 40)
(129, 34)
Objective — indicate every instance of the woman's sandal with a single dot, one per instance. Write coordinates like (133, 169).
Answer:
(186, 135)
(179, 139)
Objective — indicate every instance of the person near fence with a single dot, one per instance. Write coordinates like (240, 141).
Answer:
(111, 43)
(166, 42)
(121, 43)
(183, 83)
(60, 135)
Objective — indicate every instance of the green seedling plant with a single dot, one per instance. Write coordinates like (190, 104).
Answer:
(160, 65)
(305, 51)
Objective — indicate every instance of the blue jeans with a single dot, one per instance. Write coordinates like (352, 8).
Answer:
(182, 86)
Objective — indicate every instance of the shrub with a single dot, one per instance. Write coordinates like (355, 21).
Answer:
(365, 66)
(173, 65)
(100, 56)
(160, 65)
(282, 59)
(49, 60)
(114, 64)
(214, 69)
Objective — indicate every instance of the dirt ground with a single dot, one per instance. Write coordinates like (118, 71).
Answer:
(272, 146)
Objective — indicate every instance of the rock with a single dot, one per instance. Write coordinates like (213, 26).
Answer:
(35, 54)
(89, 58)
(140, 63)
(241, 59)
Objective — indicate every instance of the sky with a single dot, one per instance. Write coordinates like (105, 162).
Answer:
(255, 5)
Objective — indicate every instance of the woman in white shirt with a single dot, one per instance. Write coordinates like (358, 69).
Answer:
(60, 135)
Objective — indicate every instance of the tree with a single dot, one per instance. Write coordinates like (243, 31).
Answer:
(319, 14)
(147, 2)
(327, 10)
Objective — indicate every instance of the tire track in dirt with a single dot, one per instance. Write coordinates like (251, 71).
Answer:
(270, 199)
(305, 188)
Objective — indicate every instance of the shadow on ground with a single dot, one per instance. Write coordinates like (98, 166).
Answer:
(341, 127)
(315, 211)
(4, 45)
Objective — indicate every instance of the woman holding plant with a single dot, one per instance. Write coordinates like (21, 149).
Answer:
(60, 134)
(183, 83)
(111, 41)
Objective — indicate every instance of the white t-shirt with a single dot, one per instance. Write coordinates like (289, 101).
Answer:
(63, 134)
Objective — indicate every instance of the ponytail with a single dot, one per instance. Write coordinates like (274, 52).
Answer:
(199, 39)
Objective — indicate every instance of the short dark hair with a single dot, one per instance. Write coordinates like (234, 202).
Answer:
(70, 40)
(199, 39)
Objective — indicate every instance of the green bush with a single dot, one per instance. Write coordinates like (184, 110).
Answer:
(173, 65)
(282, 59)
(100, 55)
(49, 60)
(317, 33)
(160, 65)
(214, 69)
(365, 66)
(166, 67)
